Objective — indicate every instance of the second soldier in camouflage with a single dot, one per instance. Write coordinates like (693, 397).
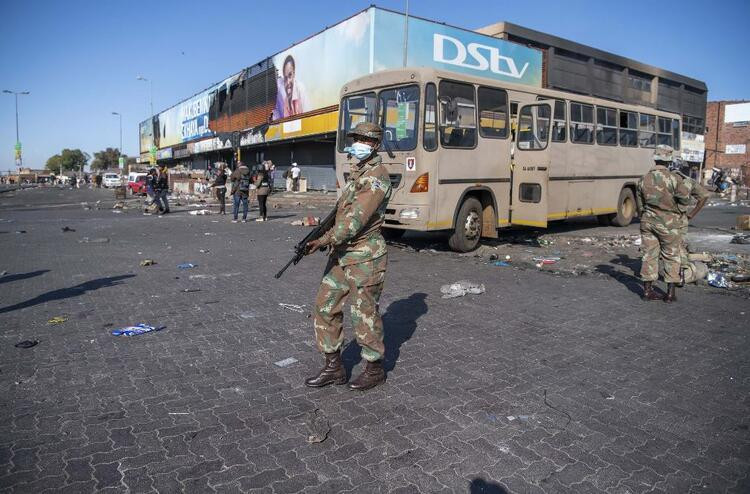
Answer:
(356, 266)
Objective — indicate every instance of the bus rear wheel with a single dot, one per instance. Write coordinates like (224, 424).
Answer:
(625, 208)
(468, 230)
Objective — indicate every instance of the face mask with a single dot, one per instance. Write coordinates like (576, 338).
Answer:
(359, 150)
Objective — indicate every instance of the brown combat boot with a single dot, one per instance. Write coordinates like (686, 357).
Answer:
(670, 296)
(370, 377)
(332, 373)
(649, 293)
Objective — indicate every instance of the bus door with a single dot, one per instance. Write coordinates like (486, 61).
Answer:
(531, 160)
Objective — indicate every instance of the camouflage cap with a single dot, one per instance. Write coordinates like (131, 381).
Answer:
(663, 153)
(367, 129)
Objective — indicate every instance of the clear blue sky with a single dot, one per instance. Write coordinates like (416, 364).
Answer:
(80, 59)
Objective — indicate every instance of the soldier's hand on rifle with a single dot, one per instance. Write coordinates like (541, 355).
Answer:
(312, 246)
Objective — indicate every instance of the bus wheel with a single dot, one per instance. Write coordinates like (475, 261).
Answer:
(625, 208)
(393, 233)
(468, 229)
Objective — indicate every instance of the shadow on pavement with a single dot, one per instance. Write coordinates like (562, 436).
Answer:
(399, 323)
(481, 486)
(631, 281)
(22, 276)
(64, 293)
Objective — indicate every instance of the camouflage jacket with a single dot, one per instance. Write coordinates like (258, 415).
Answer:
(697, 192)
(355, 236)
(660, 195)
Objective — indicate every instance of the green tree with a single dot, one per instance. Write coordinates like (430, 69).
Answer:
(69, 160)
(106, 159)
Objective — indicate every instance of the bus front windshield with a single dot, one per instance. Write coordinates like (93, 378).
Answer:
(355, 109)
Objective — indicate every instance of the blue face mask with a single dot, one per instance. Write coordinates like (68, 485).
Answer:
(359, 150)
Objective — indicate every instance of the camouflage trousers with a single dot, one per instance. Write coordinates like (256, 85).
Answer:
(363, 284)
(660, 242)
(683, 230)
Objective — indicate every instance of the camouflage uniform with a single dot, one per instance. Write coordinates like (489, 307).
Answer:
(357, 263)
(660, 195)
(698, 193)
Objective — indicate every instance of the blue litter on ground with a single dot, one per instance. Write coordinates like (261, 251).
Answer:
(187, 265)
(501, 263)
(136, 330)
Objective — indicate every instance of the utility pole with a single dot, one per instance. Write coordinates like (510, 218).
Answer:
(19, 158)
(120, 159)
(406, 32)
(151, 91)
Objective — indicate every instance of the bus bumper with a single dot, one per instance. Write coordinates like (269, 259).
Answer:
(407, 217)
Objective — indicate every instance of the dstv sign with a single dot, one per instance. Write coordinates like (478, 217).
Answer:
(436, 45)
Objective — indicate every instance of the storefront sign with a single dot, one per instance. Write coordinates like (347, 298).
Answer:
(693, 147)
(164, 154)
(735, 149)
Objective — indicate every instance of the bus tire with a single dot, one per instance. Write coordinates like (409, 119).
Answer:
(392, 233)
(468, 230)
(625, 208)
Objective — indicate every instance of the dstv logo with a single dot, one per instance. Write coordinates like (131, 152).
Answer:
(491, 59)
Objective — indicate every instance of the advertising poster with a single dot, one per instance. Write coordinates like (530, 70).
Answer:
(693, 147)
(311, 74)
(449, 48)
(146, 135)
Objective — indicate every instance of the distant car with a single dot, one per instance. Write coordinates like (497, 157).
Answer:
(111, 180)
(138, 186)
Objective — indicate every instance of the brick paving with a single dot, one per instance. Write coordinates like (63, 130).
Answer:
(541, 384)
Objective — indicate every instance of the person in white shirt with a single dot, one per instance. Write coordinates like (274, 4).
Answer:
(295, 174)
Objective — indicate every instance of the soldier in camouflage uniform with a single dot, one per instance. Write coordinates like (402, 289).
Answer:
(356, 266)
(660, 196)
(700, 195)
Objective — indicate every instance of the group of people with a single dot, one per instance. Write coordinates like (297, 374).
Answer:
(157, 188)
(663, 197)
(242, 181)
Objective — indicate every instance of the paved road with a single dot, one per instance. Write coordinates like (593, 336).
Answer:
(541, 384)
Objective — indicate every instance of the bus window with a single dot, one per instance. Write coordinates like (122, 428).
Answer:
(581, 123)
(647, 131)
(533, 126)
(665, 131)
(559, 127)
(676, 132)
(399, 116)
(606, 126)
(458, 123)
(493, 112)
(355, 109)
(429, 140)
(628, 128)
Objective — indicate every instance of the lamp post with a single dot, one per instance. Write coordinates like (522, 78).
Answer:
(19, 158)
(120, 160)
(151, 91)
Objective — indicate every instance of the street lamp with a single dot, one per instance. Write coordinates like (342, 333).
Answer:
(119, 157)
(151, 90)
(18, 141)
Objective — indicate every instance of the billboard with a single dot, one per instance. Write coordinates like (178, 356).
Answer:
(739, 112)
(693, 147)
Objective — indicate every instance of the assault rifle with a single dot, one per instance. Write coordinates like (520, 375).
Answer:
(300, 250)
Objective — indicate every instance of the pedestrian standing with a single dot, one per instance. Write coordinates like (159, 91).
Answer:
(150, 189)
(271, 168)
(262, 190)
(220, 186)
(700, 195)
(162, 189)
(661, 194)
(357, 264)
(240, 190)
(295, 173)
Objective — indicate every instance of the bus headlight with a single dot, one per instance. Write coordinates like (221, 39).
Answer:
(409, 214)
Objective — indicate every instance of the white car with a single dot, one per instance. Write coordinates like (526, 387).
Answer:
(111, 180)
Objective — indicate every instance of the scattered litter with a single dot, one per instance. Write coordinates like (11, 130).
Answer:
(511, 418)
(209, 234)
(503, 264)
(3, 273)
(20, 231)
(67, 229)
(136, 330)
(85, 206)
(718, 280)
(586, 240)
(200, 212)
(286, 362)
(743, 222)
(58, 320)
(186, 265)
(741, 238)
(741, 278)
(190, 290)
(27, 344)
(100, 240)
(119, 205)
(637, 241)
(147, 262)
(296, 223)
(117, 211)
(292, 307)
(204, 251)
(202, 277)
(179, 413)
(246, 315)
(461, 288)
(523, 418)
(546, 260)
(318, 425)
